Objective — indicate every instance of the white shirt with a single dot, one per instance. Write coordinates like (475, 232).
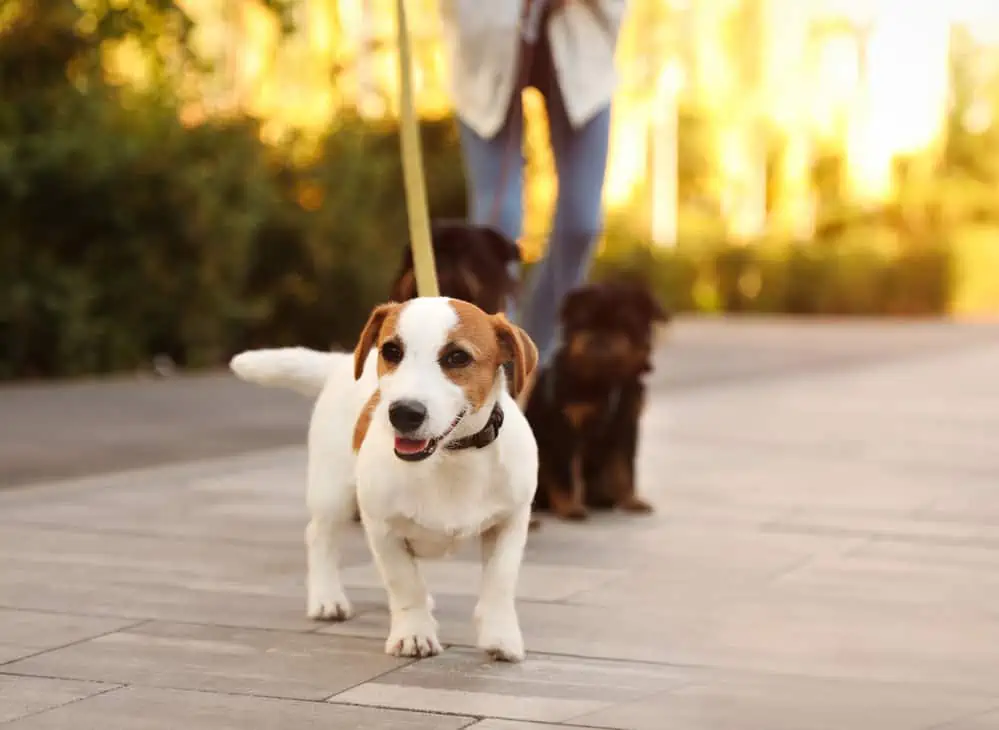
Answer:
(482, 40)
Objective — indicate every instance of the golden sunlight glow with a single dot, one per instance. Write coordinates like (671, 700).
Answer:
(905, 96)
(837, 76)
(628, 155)
(867, 76)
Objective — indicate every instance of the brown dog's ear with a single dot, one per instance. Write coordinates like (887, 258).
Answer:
(657, 313)
(516, 347)
(505, 249)
(577, 305)
(404, 287)
(369, 335)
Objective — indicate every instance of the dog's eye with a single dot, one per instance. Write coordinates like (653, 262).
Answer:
(456, 359)
(392, 353)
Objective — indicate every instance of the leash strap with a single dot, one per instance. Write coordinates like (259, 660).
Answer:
(417, 208)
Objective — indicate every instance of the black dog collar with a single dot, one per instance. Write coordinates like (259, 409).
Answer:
(482, 438)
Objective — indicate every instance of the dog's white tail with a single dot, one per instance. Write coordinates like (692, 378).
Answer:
(296, 368)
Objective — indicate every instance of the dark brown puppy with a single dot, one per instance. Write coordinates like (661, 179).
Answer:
(587, 402)
(474, 264)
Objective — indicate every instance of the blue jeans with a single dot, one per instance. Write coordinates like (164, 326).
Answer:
(580, 163)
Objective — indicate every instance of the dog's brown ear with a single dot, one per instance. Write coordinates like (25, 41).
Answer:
(505, 249)
(657, 312)
(517, 347)
(577, 305)
(369, 335)
(404, 287)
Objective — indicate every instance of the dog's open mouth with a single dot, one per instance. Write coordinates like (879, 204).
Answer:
(419, 449)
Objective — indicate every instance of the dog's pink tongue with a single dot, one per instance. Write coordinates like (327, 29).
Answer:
(409, 446)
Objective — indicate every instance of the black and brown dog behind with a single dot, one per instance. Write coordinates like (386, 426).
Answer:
(587, 403)
(474, 263)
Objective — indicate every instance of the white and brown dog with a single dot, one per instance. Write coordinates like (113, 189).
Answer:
(420, 429)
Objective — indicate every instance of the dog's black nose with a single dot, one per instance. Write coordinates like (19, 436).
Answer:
(407, 415)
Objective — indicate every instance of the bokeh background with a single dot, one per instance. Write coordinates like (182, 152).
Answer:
(184, 179)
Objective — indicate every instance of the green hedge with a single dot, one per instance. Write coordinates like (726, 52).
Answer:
(870, 268)
(124, 234)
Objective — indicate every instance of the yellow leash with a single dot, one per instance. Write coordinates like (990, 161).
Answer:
(412, 167)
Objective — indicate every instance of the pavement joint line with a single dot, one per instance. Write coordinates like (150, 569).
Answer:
(641, 698)
(69, 644)
(409, 663)
(222, 692)
(331, 700)
(124, 532)
(317, 629)
(448, 713)
(725, 669)
(147, 620)
(541, 723)
(114, 687)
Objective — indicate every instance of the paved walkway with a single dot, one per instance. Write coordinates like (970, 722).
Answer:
(825, 556)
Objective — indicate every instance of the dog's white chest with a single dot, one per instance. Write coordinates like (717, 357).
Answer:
(436, 509)
(436, 521)
(428, 543)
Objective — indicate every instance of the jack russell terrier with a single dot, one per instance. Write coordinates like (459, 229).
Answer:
(420, 430)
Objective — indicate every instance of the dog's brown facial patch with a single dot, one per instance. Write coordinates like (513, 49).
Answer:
(379, 332)
(478, 345)
(472, 356)
(364, 420)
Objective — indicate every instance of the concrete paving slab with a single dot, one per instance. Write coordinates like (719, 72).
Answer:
(25, 696)
(145, 708)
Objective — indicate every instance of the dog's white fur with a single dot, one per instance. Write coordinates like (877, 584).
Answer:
(425, 508)
(296, 368)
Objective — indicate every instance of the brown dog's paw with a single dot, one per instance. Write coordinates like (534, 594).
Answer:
(573, 513)
(636, 505)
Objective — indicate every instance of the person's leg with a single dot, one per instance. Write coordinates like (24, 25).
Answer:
(580, 162)
(494, 171)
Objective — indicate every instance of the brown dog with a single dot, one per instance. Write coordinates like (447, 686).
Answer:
(474, 264)
(586, 404)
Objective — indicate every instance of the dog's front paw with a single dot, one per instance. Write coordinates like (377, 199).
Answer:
(499, 636)
(636, 505)
(413, 634)
(328, 604)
